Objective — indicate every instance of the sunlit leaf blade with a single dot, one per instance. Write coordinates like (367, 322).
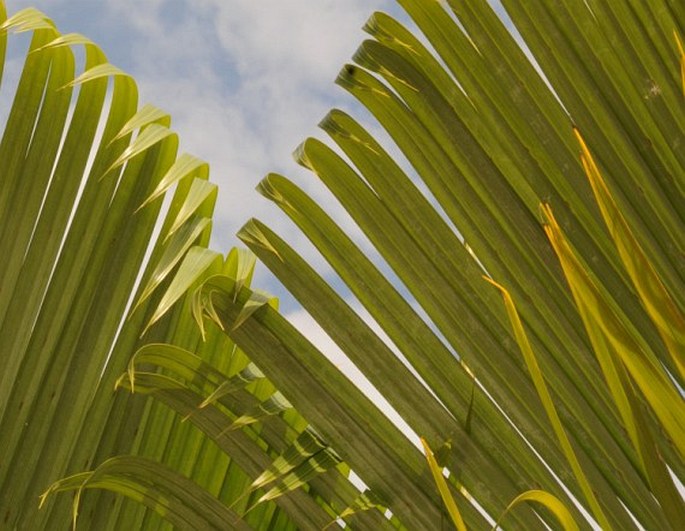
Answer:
(547, 500)
(488, 137)
(120, 440)
(75, 249)
(51, 288)
(445, 493)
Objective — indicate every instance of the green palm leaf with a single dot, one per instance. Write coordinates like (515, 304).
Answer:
(489, 137)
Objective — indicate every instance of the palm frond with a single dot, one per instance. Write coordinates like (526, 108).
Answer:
(496, 186)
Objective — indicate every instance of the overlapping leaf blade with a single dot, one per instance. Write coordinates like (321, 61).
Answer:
(491, 147)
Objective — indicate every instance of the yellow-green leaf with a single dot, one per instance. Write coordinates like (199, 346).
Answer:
(447, 498)
(656, 299)
(596, 308)
(550, 501)
(548, 404)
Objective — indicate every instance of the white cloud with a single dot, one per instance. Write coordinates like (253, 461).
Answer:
(302, 41)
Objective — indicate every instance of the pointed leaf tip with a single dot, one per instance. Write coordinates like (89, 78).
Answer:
(150, 136)
(197, 263)
(70, 39)
(97, 72)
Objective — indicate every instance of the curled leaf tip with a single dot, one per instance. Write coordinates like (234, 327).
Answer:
(551, 502)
